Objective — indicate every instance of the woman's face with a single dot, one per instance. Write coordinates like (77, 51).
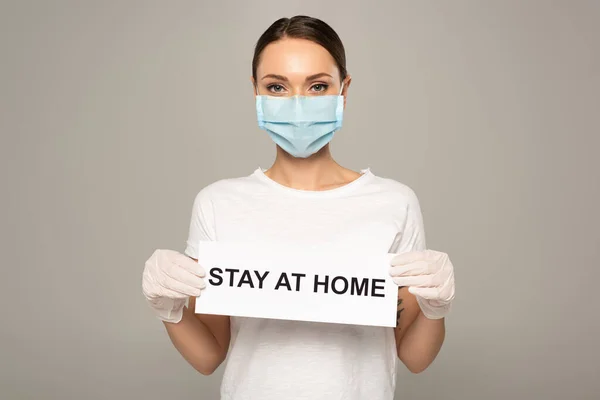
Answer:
(292, 67)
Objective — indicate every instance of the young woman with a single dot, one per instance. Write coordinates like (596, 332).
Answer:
(301, 84)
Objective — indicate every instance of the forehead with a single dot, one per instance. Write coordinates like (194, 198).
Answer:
(299, 57)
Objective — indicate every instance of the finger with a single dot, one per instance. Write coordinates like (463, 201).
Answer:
(407, 258)
(188, 264)
(429, 293)
(182, 288)
(419, 281)
(414, 256)
(414, 268)
(182, 275)
(171, 294)
(185, 288)
(425, 280)
(176, 295)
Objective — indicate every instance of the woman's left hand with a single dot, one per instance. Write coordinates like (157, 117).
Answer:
(429, 276)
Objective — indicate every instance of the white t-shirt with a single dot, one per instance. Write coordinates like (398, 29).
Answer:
(288, 360)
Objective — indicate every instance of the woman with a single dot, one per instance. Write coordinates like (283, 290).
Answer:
(301, 85)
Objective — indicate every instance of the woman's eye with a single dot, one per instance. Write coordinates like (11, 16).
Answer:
(319, 87)
(276, 88)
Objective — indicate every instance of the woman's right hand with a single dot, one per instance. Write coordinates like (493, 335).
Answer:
(169, 279)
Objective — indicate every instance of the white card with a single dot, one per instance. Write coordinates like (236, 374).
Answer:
(290, 282)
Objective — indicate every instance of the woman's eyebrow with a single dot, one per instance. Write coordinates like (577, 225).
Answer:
(275, 76)
(317, 76)
(308, 78)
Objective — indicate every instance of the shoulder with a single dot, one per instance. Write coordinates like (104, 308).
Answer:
(396, 190)
(227, 187)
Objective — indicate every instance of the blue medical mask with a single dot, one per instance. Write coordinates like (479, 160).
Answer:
(300, 125)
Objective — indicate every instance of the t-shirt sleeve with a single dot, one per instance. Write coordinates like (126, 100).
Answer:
(202, 224)
(413, 233)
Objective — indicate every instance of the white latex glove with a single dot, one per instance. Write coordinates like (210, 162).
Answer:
(429, 276)
(168, 280)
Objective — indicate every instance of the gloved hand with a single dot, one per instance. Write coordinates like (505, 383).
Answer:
(168, 280)
(429, 276)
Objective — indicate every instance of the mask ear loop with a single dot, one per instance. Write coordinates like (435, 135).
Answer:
(339, 112)
(259, 108)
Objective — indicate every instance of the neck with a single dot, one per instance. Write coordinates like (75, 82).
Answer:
(317, 172)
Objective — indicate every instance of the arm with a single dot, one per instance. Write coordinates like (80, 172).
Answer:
(418, 339)
(421, 343)
(202, 340)
(407, 311)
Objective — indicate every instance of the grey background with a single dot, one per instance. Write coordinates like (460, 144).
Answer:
(115, 114)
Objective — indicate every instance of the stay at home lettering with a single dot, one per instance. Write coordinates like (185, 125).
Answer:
(339, 285)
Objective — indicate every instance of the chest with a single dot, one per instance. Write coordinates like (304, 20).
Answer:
(370, 222)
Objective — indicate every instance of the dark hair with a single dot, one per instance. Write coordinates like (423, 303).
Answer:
(302, 27)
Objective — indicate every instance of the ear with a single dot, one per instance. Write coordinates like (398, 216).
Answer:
(254, 88)
(347, 82)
